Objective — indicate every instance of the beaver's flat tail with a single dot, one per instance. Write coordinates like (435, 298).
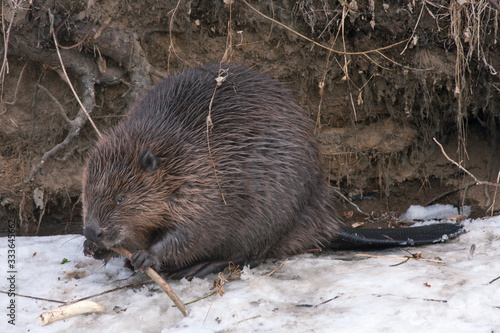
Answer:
(353, 239)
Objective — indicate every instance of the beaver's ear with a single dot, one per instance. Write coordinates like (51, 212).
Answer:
(148, 160)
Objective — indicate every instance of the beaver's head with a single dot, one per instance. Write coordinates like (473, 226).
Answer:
(127, 185)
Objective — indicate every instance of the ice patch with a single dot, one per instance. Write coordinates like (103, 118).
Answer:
(434, 212)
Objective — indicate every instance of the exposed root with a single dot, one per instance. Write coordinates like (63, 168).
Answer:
(6, 36)
(14, 99)
(68, 81)
(478, 182)
(171, 49)
(59, 105)
(77, 124)
(88, 71)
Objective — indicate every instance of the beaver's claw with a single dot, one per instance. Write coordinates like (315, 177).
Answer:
(141, 260)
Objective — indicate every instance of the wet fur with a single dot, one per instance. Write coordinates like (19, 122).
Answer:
(150, 185)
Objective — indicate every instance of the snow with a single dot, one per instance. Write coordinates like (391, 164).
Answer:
(329, 292)
(434, 212)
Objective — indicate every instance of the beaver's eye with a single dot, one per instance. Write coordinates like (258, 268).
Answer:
(119, 200)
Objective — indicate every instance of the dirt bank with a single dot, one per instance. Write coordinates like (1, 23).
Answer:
(380, 79)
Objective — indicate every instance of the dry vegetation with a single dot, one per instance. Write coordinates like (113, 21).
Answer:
(379, 78)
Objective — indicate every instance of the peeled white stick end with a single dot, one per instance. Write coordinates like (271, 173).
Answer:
(67, 311)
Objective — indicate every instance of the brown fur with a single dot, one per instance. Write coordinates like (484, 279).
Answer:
(149, 184)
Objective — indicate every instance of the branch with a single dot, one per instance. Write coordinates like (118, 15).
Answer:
(88, 98)
(73, 89)
(478, 182)
(76, 62)
(6, 36)
(158, 279)
(123, 48)
(60, 107)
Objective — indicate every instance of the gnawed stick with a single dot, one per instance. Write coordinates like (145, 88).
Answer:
(158, 279)
(67, 311)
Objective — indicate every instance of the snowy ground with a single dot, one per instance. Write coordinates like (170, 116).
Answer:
(332, 292)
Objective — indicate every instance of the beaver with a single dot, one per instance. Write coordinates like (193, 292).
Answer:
(216, 164)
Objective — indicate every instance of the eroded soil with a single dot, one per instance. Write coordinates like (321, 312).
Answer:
(379, 81)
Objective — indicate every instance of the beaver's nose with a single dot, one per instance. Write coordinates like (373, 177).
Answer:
(92, 232)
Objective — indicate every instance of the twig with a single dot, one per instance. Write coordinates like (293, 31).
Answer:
(33, 114)
(254, 317)
(61, 108)
(42, 213)
(346, 63)
(498, 277)
(219, 286)
(478, 182)
(6, 36)
(33, 297)
(352, 203)
(492, 207)
(442, 195)
(201, 298)
(402, 262)
(81, 41)
(379, 65)
(318, 44)
(6, 173)
(77, 125)
(229, 40)
(429, 299)
(401, 65)
(413, 298)
(78, 122)
(171, 47)
(274, 270)
(65, 143)
(219, 79)
(402, 258)
(132, 285)
(158, 279)
(321, 85)
(71, 86)
(102, 28)
(415, 28)
(14, 99)
(233, 273)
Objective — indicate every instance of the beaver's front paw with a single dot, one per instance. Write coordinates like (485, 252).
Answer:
(141, 260)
